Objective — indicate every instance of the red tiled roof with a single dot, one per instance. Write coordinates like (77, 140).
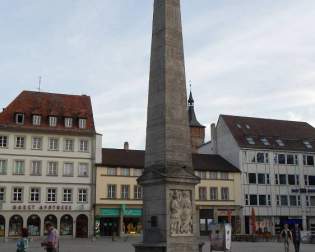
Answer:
(135, 159)
(49, 104)
(291, 133)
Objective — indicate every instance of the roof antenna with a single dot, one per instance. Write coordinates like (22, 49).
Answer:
(39, 82)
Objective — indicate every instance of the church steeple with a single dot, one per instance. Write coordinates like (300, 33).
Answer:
(197, 130)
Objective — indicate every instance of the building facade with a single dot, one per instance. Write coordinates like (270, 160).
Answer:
(119, 197)
(276, 159)
(47, 153)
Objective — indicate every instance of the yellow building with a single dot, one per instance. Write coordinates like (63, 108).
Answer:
(118, 197)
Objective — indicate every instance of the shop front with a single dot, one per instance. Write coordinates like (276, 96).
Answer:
(2, 226)
(107, 223)
(132, 218)
(66, 225)
(206, 218)
(15, 225)
(33, 225)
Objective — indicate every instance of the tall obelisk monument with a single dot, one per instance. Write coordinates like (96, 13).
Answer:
(168, 180)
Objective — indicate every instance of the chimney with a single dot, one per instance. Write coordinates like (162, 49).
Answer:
(126, 146)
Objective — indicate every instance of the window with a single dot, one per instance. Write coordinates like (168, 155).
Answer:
(124, 192)
(262, 200)
(280, 142)
(252, 178)
(224, 175)
(278, 200)
(265, 141)
(293, 201)
(306, 180)
(247, 126)
(125, 172)
(311, 180)
(20, 142)
(2, 194)
(213, 193)
(262, 157)
(67, 195)
(36, 169)
(312, 200)
(68, 145)
(83, 170)
(111, 171)
(283, 179)
(308, 160)
(82, 195)
(17, 194)
(202, 193)
(225, 193)
(253, 199)
(52, 121)
(281, 159)
(137, 172)
(268, 179)
(53, 144)
(84, 145)
(291, 179)
(36, 143)
(292, 159)
(68, 169)
(3, 141)
(3, 167)
(284, 200)
(203, 174)
(299, 200)
(297, 179)
(35, 195)
(137, 192)
(261, 178)
(307, 200)
(52, 169)
(238, 126)
(269, 200)
(213, 175)
(307, 144)
(19, 118)
(82, 123)
(36, 119)
(68, 122)
(111, 191)
(51, 195)
(250, 140)
(19, 167)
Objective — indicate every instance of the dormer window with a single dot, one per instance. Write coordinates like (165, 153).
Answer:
(19, 118)
(308, 144)
(250, 140)
(265, 141)
(247, 126)
(52, 121)
(82, 123)
(280, 142)
(68, 122)
(36, 119)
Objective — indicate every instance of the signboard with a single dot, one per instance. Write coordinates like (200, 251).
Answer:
(133, 212)
(110, 212)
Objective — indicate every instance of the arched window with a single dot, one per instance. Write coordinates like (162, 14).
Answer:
(2, 226)
(66, 225)
(50, 219)
(33, 225)
(82, 226)
(15, 225)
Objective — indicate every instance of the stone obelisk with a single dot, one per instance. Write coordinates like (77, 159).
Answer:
(168, 180)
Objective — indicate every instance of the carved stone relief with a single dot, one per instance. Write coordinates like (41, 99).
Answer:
(181, 213)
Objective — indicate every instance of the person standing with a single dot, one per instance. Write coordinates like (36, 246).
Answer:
(23, 243)
(51, 243)
(296, 235)
(286, 235)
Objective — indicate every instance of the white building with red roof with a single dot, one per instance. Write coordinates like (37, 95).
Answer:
(48, 148)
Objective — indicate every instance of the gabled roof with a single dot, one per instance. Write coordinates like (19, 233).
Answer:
(135, 159)
(48, 104)
(291, 133)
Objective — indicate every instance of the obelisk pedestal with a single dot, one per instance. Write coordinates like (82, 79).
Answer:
(168, 180)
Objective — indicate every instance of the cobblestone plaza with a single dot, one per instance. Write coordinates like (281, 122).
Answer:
(107, 245)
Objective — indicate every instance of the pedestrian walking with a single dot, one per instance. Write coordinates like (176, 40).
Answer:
(286, 236)
(296, 235)
(51, 243)
(23, 243)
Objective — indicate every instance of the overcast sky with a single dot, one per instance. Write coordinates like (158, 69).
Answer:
(244, 57)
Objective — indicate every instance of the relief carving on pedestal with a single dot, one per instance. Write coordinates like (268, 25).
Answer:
(181, 213)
